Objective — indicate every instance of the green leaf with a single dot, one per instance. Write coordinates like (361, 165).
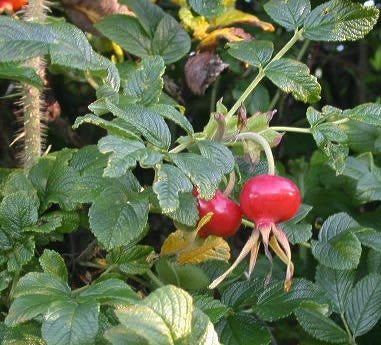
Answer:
(111, 291)
(144, 121)
(238, 328)
(20, 73)
(26, 334)
(70, 323)
(368, 178)
(370, 238)
(124, 154)
(170, 40)
(207, 8)
(189, 277)
(170, 182)
(363, 309)
(369, 113)
(255, 52)
(17, 181)
(127, 32)
(121, 224)
(203, 332)
(34, 294)
(20, 40)
(294, 77)
(213, 308)
(17, 211)
(289, 14)
(133, 260)
(145, 83)
(21, 254)
(218, 153)
(338, 247)
(47, 223)
(274, 303)
(187, 212)
(242, 293)
(296, 232)
(148, 14)
(53, 263)
(337, 284)
(111, 126)
(56, 182)
(73, 50)
(201, 171)
(340, 20)
(164, 317)
(320, 326)
(171, 113)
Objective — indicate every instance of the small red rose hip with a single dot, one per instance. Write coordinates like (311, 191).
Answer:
(226, 219)
(270, 199)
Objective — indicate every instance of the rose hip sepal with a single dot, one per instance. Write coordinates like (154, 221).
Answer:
(226, 219)
(267, 200)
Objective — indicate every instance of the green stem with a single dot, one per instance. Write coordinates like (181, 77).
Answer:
(303, 50)
(245, 94)
(154, 279)
(351, 338)
(339, 122)
(265, 145)
(291, 129)
(261, 74)
(248, 223)
(213, 96)
(181, 147)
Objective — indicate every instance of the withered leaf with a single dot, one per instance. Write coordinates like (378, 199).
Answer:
(203, 69)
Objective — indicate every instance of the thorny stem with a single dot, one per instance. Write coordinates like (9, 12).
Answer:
(351, 339)
(33, 97)
(266, 147)
(261, 74)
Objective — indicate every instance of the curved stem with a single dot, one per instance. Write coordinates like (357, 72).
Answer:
(230, 186)
(266, 147)
(291, 129)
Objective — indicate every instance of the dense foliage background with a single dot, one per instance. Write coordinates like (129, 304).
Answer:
(122, 93)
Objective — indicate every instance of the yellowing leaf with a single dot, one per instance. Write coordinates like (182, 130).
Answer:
(199, 25)
(230, 34)
(179, 2)
(229, 3)
(212, 248)
(235, 16)
(176, 242)
(192, 249)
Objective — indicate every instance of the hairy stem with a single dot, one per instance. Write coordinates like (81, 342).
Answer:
(32, 100)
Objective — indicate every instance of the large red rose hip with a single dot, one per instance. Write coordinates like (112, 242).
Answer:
(270, 199)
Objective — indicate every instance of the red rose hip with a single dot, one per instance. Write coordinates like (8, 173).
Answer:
(270, 199)
(226, 219)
